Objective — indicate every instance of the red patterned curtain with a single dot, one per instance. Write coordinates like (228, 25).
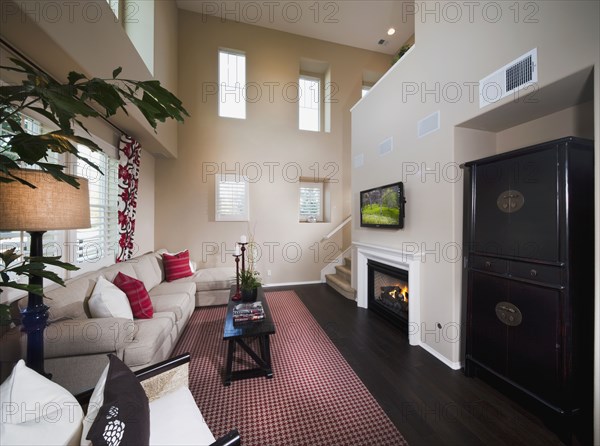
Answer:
(129, 172)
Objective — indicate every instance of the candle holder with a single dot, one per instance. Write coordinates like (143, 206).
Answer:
(237, 295)
(243, 245)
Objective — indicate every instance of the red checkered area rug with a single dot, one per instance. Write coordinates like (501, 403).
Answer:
(314, 397)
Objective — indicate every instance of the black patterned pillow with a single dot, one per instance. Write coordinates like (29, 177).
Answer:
(124, 418)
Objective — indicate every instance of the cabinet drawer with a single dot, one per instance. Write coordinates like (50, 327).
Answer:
(489, 264)
(536, 272)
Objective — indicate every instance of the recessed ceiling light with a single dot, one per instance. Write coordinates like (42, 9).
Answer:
(391, 32)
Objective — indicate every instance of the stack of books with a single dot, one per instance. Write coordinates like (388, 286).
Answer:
(245, 312)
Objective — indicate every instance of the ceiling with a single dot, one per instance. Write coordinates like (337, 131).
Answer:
(357, 23)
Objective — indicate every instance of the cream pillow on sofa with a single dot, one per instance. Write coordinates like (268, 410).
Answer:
(108, 300)
(36, 411)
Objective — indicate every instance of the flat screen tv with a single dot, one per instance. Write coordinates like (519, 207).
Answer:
(383, 207)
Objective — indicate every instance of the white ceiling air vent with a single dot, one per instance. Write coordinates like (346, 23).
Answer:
(509, 79)
(386, 146)
(429, 124)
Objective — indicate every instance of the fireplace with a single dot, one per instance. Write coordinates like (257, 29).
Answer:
(388, 292)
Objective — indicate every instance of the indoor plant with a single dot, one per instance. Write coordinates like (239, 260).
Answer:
(64, 105)
(249, 283)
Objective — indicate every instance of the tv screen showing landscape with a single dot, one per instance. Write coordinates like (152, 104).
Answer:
(383, 207)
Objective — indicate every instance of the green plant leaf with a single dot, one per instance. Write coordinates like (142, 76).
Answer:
(116, 72)
(5, 317)
(55, 261)
(9, 256)
(74, 77)
(35, 289)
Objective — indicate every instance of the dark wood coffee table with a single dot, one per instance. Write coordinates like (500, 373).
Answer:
(239, 333)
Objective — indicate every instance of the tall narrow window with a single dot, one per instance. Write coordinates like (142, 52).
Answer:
(231, 198)
(232, 81)
(99, 242)
(115, 7)
(310, 103)
(311, 201)
(20, 239)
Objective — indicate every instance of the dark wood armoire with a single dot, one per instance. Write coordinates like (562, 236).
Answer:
(529, 270)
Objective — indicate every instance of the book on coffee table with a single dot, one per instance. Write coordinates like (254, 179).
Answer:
(248, 312)
(248, 308)
(248, 318)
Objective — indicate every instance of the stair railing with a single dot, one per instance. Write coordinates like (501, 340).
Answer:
(337, 228)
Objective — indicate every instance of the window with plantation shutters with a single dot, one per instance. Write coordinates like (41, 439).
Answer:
(100, 241)
(311, 201)
(231, 198)
(52, 240)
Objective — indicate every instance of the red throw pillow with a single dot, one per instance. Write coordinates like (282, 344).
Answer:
(177, 266)
(139, 300)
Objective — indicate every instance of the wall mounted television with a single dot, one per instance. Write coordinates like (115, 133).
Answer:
(383, 207)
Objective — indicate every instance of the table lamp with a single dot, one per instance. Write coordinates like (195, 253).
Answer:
(50, 206)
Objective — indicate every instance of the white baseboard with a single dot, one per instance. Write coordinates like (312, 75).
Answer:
(453, 365)
(291, 284)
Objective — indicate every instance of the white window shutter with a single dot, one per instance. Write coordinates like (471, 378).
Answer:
(231, 198)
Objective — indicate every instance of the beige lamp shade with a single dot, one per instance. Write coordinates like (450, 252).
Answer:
(51, 205)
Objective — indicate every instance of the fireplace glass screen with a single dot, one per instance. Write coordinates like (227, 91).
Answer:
(388, 292)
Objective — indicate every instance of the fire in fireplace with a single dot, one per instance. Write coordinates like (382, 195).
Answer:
(388, 292)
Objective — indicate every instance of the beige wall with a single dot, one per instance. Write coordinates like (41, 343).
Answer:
(573, 121)
(566, 35)
(185, 200)
(144, 223)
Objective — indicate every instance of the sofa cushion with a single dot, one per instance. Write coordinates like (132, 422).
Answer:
(139, 300)
(177, 266)
(220, 278)
(178, 287)
(110, 272)
(175, 303)
(148, 339)
(68, 302)
(36, 411)
(124, 417)
(176, 419)
(109, 301)
(147, 270)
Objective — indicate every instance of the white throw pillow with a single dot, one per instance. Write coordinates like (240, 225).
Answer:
(96, 402)
(36, 411)
(109, 301)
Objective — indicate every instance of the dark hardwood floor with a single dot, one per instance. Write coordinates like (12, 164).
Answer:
(429, 403)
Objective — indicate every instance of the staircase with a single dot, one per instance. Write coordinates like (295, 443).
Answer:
(341, 280)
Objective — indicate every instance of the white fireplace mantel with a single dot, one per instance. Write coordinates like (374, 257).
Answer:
(408, 261)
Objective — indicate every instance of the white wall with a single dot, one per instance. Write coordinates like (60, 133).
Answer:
(447, 55)
(463, 51)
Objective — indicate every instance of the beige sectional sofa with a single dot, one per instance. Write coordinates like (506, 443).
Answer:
(76, 344)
